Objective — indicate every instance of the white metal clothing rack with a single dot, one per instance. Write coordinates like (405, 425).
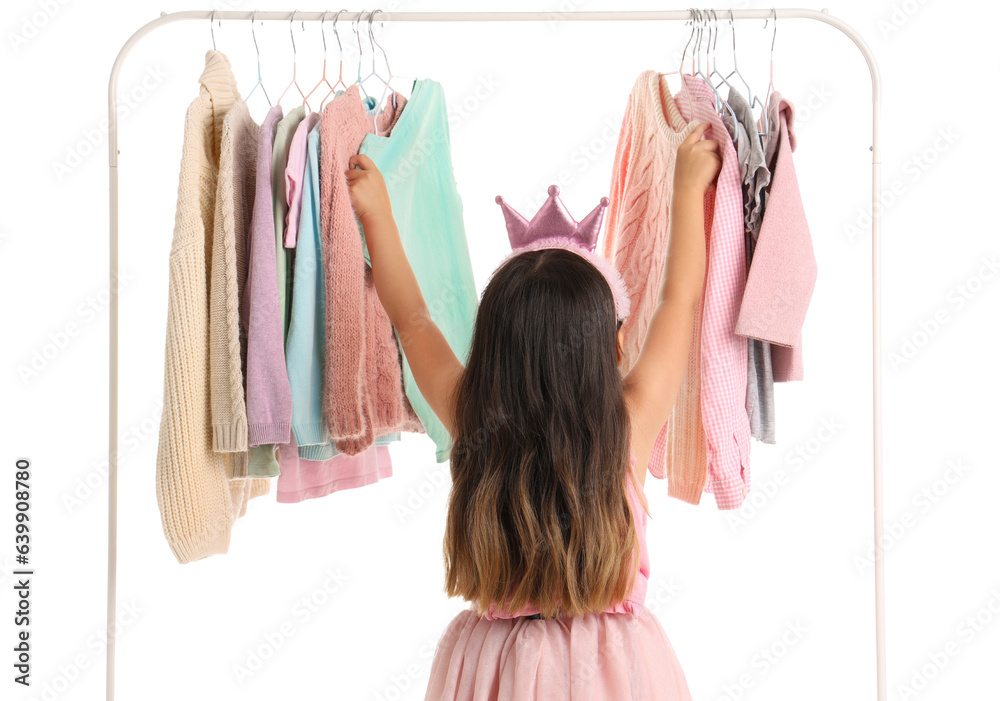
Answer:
(633, 16)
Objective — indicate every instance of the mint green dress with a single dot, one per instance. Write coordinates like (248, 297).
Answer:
(415, 160)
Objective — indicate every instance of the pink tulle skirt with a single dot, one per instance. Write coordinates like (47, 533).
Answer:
(584, 658)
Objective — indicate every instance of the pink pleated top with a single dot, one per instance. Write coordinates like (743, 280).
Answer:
(634, 602)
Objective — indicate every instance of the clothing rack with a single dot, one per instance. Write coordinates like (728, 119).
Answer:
(633, 16)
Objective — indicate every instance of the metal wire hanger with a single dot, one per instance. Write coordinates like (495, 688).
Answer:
(361, 56)
(719, 104)
(340, 49)
(680, 69)
(715, 68)
(260, 81)
(291, 33)
(323, 79)
(374, 72)
(388, 81)
(766, 134)
(211, 28)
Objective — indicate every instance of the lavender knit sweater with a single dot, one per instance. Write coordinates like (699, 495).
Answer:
(364, 395)
(269, 399)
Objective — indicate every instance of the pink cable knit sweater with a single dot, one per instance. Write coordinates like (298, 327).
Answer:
(363, 397)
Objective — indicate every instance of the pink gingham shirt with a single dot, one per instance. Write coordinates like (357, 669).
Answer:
(723, 357)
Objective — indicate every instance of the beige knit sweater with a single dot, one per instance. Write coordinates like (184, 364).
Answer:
(197, 498)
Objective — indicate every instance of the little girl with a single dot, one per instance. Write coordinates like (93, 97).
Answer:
(547, 515)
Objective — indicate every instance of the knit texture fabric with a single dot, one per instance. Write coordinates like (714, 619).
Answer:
(363, 395)
(233, 205)
(269, 399)
(198, 502)
(636, 242)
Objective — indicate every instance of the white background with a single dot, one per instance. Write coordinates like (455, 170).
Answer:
(772, 602)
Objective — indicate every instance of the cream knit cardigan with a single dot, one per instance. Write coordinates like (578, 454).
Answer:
(197, 498)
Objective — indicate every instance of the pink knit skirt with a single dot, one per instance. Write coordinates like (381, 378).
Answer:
(585, 658)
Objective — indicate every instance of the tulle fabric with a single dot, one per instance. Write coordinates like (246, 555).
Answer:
(582, 658)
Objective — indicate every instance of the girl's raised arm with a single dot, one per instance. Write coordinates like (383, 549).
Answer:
(652, 383)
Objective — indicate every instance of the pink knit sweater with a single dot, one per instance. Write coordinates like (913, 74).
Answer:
(363, 396)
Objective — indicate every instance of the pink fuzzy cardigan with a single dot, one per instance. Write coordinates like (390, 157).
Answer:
(363, 394)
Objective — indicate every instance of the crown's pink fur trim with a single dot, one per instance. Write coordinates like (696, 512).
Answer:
(614, 278)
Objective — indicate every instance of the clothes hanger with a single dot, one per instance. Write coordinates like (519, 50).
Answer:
(211, 28)
(751, 97)
(720, 104)
(388, 82)
(766, 134)
(374, 73)
(323, 79)
(291, 33)
(340, 50)
(715, 71)
(680, 67)
(260, 82)
(361, 55)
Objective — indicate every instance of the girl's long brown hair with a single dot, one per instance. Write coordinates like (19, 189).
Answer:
(538, 513)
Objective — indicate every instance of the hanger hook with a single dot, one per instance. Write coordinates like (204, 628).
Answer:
(775, 34)
(253, 33)
(690, 38)
(322, 31)
(336, 33)
(701, 34)
(291, 33)
(371, 37)
(732, 26)
(211, 27)
(715, 32)
(357, 33)
(384, 56)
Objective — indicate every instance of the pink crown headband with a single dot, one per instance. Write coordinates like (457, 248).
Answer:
(553, 227)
